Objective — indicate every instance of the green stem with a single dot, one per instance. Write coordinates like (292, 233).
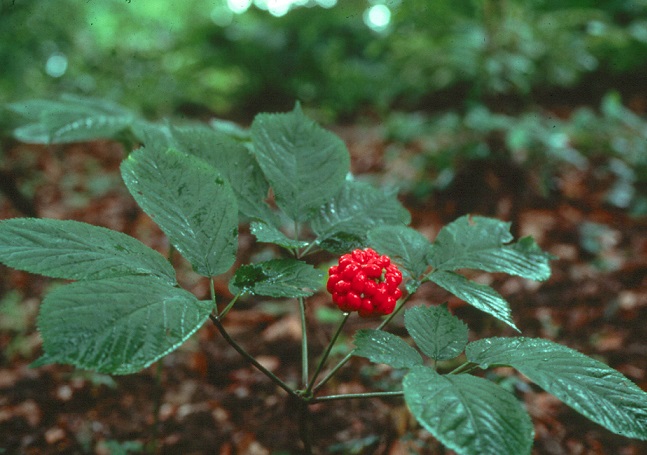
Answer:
(349, 396)
(332, 372)
(216, 321)
(212, 292)
(229, 306)
(343, 361)
(304, 342)
(302, 314)
(307, 249)
(325, 355)
(275, 379)
(390, 317)
(464, 368)
(296, 239)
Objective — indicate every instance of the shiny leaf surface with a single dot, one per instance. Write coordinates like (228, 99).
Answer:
(483, 244)
(404, 245)
(469, 415)
(478, 295)
(190, 201)
(592, 388)
(117, 325)
(70, 119)
(439, 334)
(305, 164)
(229, 156)
(356, 209)
(269, 234)
(277, 278)
(77, 251)
(384, 347)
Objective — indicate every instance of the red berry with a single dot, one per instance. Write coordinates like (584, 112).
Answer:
(365, 282)
(373, 270)
(381, 295)
(391, 283)
(354, 301)
(342, 287)
(359, 283)
(359, 256)
(332, 281)
(345, 260)
(370, 287)
(383, 261)
(393, 270)
(366, 309)
(350, 271)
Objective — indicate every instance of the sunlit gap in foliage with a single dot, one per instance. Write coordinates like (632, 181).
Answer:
(377, 17)
(275, 7)
(56, 65)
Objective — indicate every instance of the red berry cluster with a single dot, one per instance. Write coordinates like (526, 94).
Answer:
(365, 282)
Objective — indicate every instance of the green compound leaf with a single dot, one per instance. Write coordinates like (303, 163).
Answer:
(190, 201)
(117, 325)
(267, 233)
(227, 155)
(438, 333)
(70, 119)
(356, 209)
(482, 243)
(305, 164)
(592, 388)
(478, 295)
(384, 347)
(468, 414)
(77, 251)
(277, 278)
(404, 245)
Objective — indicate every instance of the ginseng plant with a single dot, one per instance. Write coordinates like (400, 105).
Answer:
(124, 309)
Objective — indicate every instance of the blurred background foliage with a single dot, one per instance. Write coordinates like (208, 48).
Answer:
(431, 150)
(532, 82)
(234, 58)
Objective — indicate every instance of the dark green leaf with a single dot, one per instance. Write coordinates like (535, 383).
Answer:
(438, 333)
(231, 129)
(384, 347)
(305, 164)
(117, 325)
(404, 245)
(482, 243)
(236, 163)
(469, 415)
(77, 251)
(592, 388)
(277, 278)
(412, 286)
(356, 209)
(269, 234)
(190, 201)
(227, 155)
(478, 295)
(342, 242)
(70, 119)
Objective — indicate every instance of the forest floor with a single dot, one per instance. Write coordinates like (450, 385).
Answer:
(204, 398)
